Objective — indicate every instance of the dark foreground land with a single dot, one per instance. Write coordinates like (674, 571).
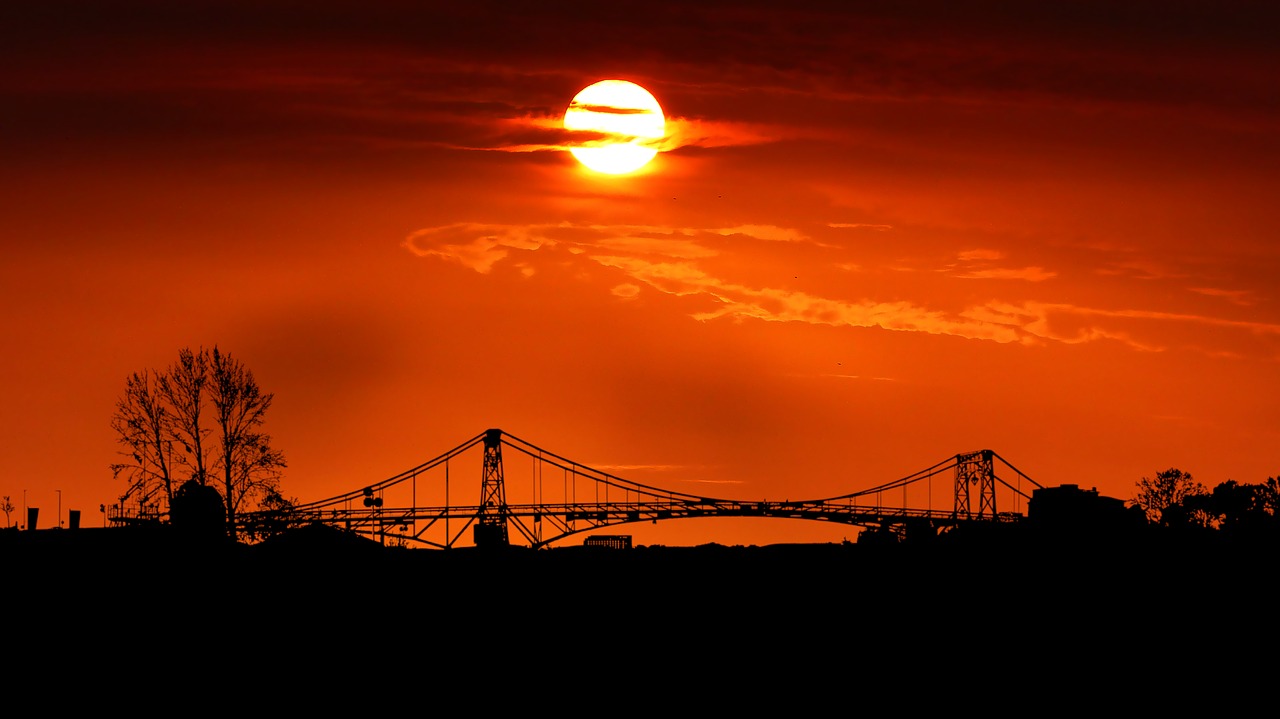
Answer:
(324, 568)
(981, 611)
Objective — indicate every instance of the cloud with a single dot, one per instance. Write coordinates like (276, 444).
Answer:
(642, 467)
(1142, 269)
(707, 134)
(663, 246)
(265, 70)
(1030, 274)
(776, 305)
(972, 255)
(546, 133)
(1260, 328)
(1037, 320)
(610, 109)
(860, 226)
(1244, 298)
(677, 261)
(474, 245)
(1146, 330)
(772, 233)
(522, 134)
(480, 246)
(627, 291)
(979, 266)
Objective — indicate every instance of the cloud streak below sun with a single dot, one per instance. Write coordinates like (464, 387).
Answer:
(676, 262)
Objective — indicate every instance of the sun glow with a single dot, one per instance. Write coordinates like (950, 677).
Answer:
(627, 115)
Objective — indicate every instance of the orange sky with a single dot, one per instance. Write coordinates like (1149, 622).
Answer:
(877, 237)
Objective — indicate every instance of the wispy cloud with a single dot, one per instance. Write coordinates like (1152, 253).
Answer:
(1244, 298)
(980, 254)
(859, 226)
(475, 245)
(1139, 329)
(708, 134)
(776, 305)
(678, 261)
(481, 245)
(772, 233)
(1030, 274)
(1038, 321)
(626, 291)
(978, 264)
(662, 246)
(1142, 270)
(642, 467)
(546, 133)
(610, 109)
(1262, 328)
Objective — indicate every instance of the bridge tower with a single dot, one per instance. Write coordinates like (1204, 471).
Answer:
(975, 468)
(491, 526)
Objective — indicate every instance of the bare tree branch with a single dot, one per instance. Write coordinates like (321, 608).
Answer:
(183, 387)
(250, 467)
(142, 424)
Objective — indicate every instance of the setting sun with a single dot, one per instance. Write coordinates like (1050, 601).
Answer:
(629, 117)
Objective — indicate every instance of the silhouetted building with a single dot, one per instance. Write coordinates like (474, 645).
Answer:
(1068, 507)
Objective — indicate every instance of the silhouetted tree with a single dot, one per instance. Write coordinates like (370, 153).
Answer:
(249, 466)
(183, 386)
(1163, 498)
(1233, 503)
(201, 420)
(1269, 496)
(6, 506)
(276, 502)
(1235, 507)
(144, 425)
(278, 516)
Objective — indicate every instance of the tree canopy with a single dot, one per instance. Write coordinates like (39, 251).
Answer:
(1162, 497)
(199, 423)
(1174, 499)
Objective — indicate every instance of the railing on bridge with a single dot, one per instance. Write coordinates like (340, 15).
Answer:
(418, 505)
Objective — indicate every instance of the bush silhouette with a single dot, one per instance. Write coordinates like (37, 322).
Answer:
(197, 510)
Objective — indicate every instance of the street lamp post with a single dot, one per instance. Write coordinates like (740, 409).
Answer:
(59, 491)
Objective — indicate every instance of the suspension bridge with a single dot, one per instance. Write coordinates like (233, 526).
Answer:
(420, 506)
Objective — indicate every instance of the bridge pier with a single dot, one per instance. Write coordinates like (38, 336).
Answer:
(491, 525)
(975, 468)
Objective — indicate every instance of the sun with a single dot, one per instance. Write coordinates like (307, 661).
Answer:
(628, 116)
